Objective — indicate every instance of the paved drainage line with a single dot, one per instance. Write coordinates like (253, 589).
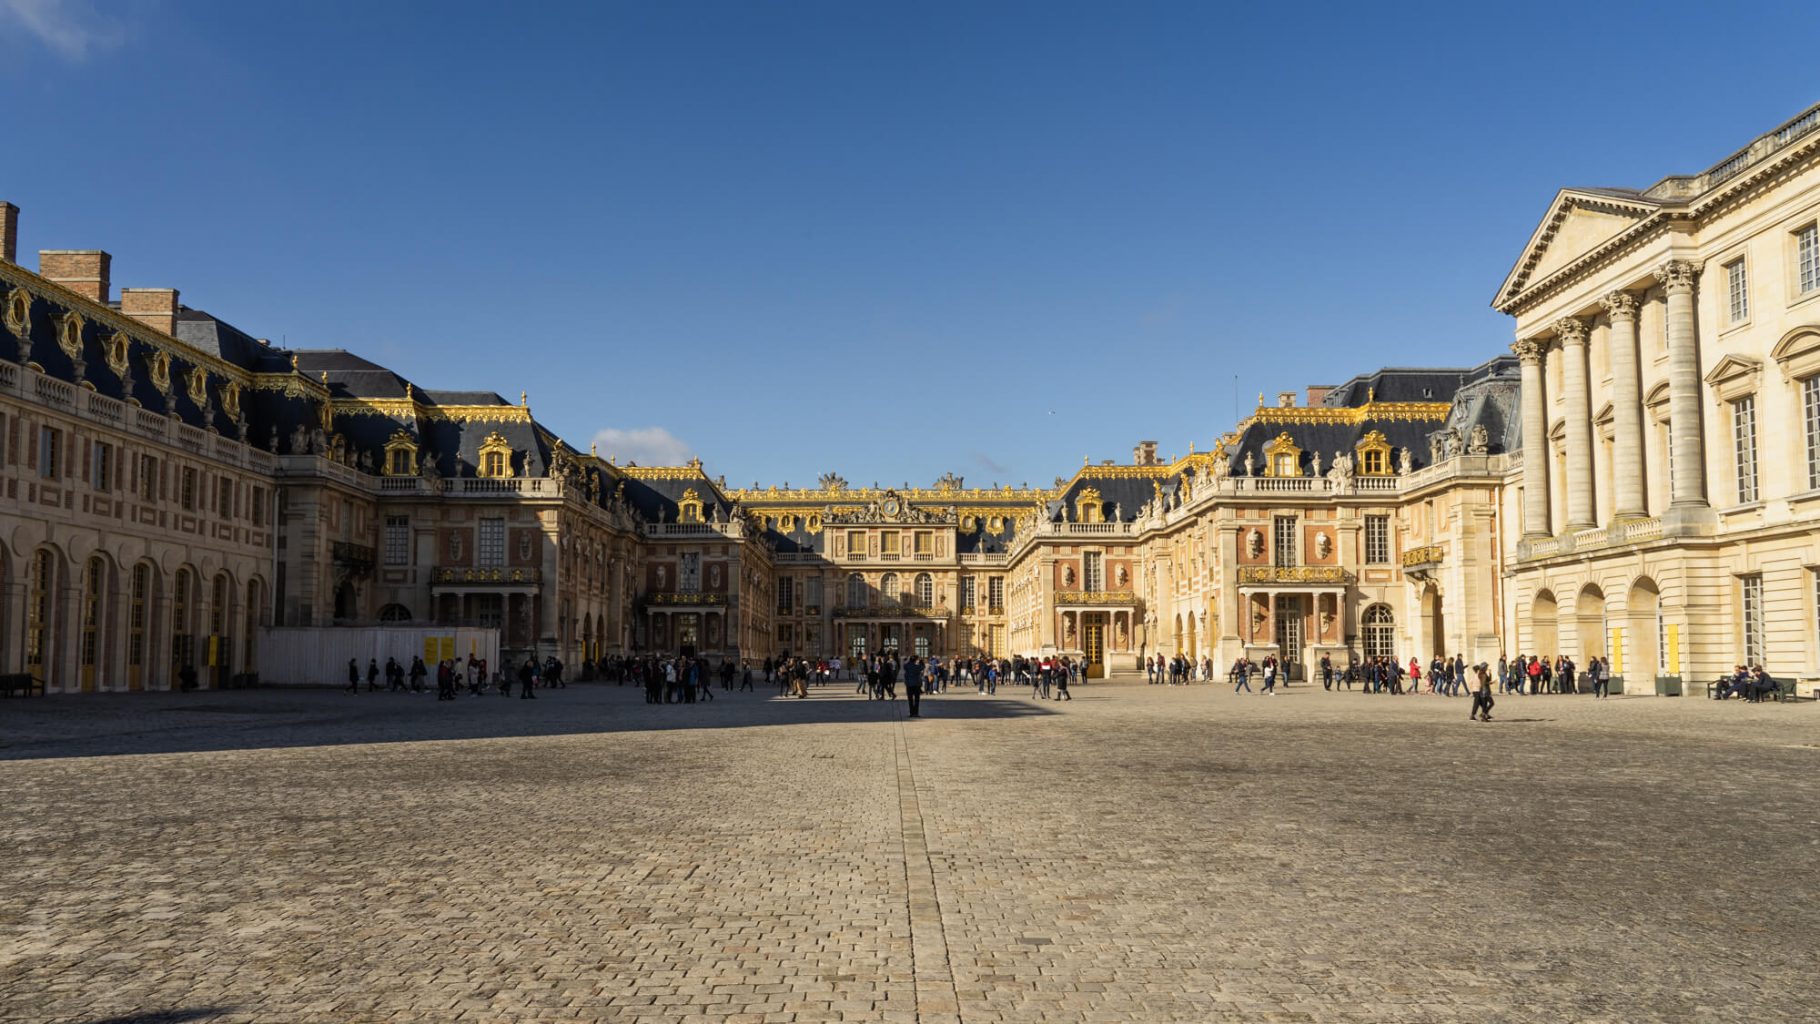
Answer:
(932, 972)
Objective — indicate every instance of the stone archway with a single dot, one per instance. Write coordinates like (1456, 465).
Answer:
(1638, 653)
(1589, 625)
(1544, 627)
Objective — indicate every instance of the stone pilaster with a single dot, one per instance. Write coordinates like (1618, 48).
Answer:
(1535, 440)
(1578, 418)
(1628, 501)
(1689, 483)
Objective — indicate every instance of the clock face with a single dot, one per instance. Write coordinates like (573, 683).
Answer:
(889, 507)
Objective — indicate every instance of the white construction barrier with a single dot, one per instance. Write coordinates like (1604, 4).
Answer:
(318, 656)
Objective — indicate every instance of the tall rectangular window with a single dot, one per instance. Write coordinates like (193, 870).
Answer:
(856, 544)
(1284, 532)
(397, 540)
(1752, 594)
(786, 595)
(148, 478)
(995, 593)
(1377, 539)
(50, 452)
(1093, 571)
(887, 544)
(224, 497)
(490, 545)
(969, 590)
(258, 506)
(1807, 259)
(1810, 422)
(1744, 446)
(812, 596)
(1737, 292)
(101, 467)
(186, 491)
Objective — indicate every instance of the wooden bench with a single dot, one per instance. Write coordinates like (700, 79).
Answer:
(20, 681)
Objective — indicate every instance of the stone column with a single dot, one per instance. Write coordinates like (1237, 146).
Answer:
(1677, 277)
(1578, 417)
(1535, 440)
(1627, 409)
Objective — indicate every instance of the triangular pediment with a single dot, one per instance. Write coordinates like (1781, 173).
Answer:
(1733, 367)
(1578, 222)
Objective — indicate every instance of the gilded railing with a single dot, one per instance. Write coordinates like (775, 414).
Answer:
(1423, 556)
(1252, 574)
(500, 575)
(1095, 597)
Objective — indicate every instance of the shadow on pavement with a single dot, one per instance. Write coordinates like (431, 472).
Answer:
(165, 1016)
(109, 724)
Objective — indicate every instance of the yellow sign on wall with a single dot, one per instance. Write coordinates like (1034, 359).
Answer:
(430, 647)
(1617, 650)
(1673, 668)
(448, 647)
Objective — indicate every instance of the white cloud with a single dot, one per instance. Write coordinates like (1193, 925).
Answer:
(647, 446)
(71, 28)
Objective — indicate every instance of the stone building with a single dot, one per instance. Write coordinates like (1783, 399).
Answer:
(1640, 480)
(1670, 473)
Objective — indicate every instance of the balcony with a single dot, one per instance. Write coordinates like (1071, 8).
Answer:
(497, 576)
(1424, 557)
(1096, 597)
(1278, 575)
(668, 599)
(355, 560)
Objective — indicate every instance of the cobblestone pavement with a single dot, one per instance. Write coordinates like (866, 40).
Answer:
(1139, 854)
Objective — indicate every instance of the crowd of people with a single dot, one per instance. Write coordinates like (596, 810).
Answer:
(452, 676)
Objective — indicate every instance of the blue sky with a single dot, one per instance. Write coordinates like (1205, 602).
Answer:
(980, 238)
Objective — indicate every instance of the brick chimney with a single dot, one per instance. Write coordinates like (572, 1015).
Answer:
(9, 233)
(83, 271)
(154, 307)
(1317, 393)
(1144, 454)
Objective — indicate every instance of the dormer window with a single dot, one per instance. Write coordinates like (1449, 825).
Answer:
(1089, 508)
(1374, 455)
(495, 457)
(688, 508)
(1282, 457)
(401, 455)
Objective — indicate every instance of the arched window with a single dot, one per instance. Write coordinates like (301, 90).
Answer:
(856, 591)
(94, 588)
(183, 644)
(223, 655)
(1380, 632)
(38, 640)
(137, 614)
(888, 592)
(925, 590)
(394, 613)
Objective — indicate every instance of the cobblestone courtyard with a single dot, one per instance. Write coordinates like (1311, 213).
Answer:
(1139, 854)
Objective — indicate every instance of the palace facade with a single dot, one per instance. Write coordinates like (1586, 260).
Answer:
(1640, 479)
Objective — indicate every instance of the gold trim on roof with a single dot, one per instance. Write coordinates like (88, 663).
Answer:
(1349, 415)
(398, 408)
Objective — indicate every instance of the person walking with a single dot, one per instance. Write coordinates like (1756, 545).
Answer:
(445, 680)
(1270, 676)
(913, 686)
(372, 675)
(1241, 670)
(353, 676)
(526, 675)
(1481, 698)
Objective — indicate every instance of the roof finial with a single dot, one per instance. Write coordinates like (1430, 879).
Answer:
(524, 399)
(594, 448)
